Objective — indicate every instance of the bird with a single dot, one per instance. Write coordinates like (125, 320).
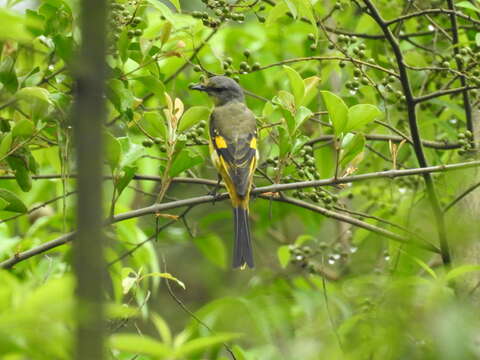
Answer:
(233, 150)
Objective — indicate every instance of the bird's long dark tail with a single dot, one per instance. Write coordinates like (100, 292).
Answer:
(242, 249)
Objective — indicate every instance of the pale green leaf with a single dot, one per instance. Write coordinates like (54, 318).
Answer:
(164, 275)
(14, 202)
(461, 270)
(337, 111)
(202, 344)
(23, 128)
(6, 144)
(33, 92)
(113, 150)
(284, 255)
(192, 116)
(467, 5)
(352, 146)
(296, 84)
(360, 115)
(140, 344)
(276, 12)
(186, 159)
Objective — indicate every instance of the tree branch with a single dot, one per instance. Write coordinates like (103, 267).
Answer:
(157, 208)
(412, 120)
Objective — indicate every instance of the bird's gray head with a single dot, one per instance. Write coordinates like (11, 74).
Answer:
(222, 89)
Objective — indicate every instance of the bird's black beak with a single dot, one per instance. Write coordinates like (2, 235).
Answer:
(199, 87)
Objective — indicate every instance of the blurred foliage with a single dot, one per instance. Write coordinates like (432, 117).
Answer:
(321, 288)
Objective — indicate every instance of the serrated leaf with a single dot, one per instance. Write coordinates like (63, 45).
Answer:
(184, 160)
(192, 116)
(360, 115)
(140, 345)
(119, 95)
(337, 111)
(296, 84)
(284, 255)
(14, 203)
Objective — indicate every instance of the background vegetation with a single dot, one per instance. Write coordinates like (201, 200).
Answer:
(365, 219)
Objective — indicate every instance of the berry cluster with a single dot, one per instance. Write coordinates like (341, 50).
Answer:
(308, 168)
(465, 139)
(124, 16)
(318, 195)
(221, 10)
(302, 255)
(195, 133)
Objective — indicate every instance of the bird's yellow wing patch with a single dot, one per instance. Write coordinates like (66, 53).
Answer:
(253, 143)
(220, 142)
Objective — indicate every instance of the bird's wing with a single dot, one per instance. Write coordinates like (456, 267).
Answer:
(234, 139)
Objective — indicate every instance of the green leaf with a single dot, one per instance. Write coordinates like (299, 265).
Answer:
(154, 124)
(23, 128)
(477, 39)
(284, 141)
(311, 89)
(162, 328)
(176, 3)
(126, 175)
(164, 275)
(140, 344)
(192, 116)
(152, 84)
(6, 144)
(120, 311)
(186, 159)
(202, 344)
(337, 111)
(468, 5)
(19, 163)
(113, 150)
(13, 202)
(461, 270)
(8, 76)
(33, 92)
(284, 255)
(13, 26)
(213, 248)
(296, 84)
(360, 115)
(352, 146)
(276, 12)
(301, 115)
(163, 9)
(119, 95)
(291, 6)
